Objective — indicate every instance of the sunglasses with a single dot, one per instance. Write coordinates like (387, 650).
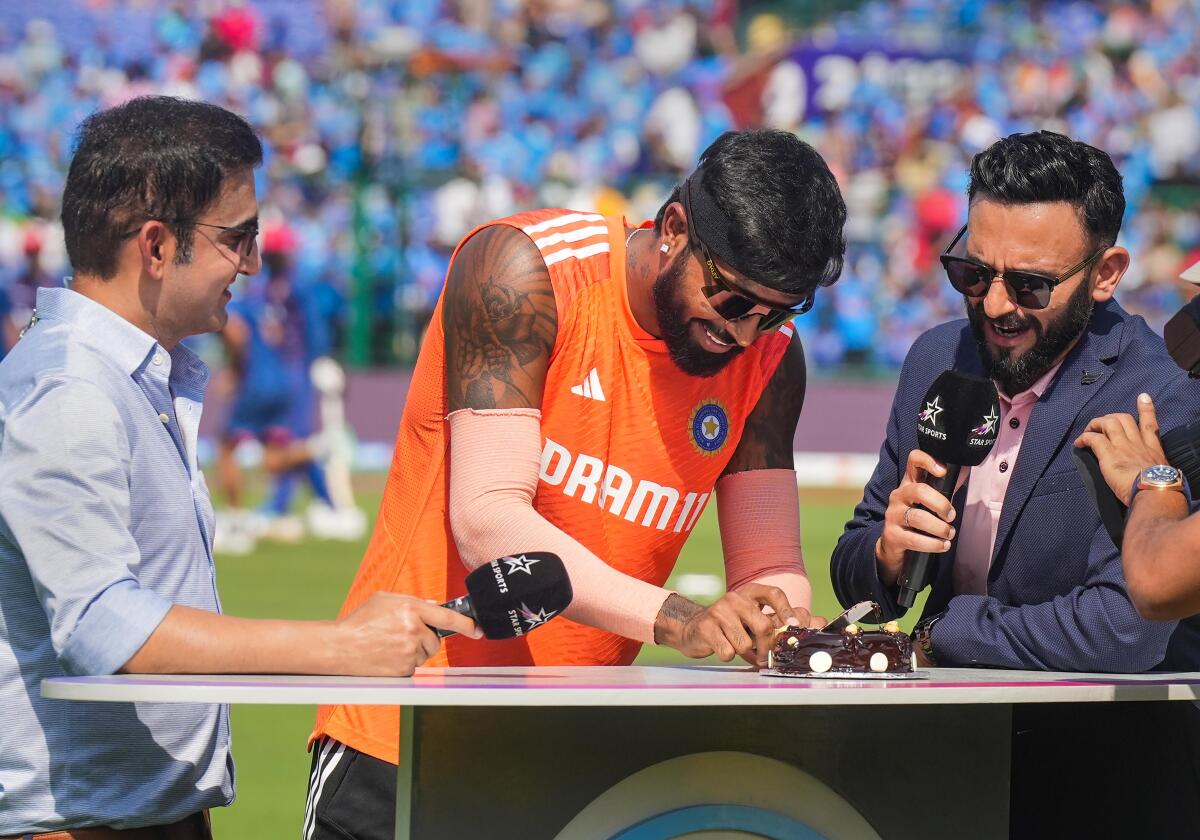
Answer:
(1029, 289)
(242, 245)
(247, 236)
(725, 299)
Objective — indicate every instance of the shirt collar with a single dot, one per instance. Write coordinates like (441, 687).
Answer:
(118, 339)
(189, 375)
(1034, 392)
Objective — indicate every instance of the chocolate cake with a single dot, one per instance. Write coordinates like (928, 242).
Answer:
(852, 650)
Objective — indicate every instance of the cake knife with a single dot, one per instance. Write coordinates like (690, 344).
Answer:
(858, 611)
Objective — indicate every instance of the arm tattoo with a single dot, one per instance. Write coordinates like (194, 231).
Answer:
(766, 442)
(675, 608)
(500, 322)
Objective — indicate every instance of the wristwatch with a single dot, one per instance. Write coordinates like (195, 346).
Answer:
(1158, 477)
(922, 636)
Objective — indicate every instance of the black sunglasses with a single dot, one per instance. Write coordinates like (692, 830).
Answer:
(736, 304)
(1029, 289)
(247, 235)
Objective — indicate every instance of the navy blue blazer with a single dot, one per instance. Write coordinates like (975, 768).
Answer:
(1056, 591)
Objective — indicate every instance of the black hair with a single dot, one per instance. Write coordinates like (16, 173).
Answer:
(1047, 167)
(782, 207)
(154, 157)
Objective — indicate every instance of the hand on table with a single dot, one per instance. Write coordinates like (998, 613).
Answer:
(733, 626)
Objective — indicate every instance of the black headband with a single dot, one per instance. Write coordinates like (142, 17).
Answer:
(709, 222)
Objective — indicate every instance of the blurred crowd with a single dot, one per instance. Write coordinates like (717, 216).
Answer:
(394, 127)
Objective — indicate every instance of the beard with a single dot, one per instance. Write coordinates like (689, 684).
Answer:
(1015, 373)
(685, 351)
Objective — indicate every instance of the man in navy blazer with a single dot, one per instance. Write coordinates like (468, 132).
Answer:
(1056, 596)
(1026, 575)
(1051, 595)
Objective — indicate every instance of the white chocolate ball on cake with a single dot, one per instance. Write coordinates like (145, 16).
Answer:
(820, 662)
(892, 627)
(879, 662)
(852, 629)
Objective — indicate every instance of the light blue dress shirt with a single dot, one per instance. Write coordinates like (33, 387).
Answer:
(105, 521)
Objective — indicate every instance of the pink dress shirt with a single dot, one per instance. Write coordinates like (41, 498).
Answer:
(986, 486)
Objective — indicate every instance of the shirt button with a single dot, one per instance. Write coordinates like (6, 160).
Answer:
(1004, 466)
(157, 359)
(164, 418)
(1014, 423)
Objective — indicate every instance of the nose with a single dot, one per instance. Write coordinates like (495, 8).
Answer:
(744, 330)
(252, 262)
(998, 300)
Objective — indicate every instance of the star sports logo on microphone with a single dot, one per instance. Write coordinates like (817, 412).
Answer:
(988, 426)
(521, 564)
(930, 414)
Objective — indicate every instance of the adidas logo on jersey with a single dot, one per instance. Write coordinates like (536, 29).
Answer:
(590, 388)
(647, 503)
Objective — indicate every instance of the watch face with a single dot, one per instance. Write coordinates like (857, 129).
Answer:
(1160, 474)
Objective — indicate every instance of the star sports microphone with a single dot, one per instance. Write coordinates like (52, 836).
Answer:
(1182, 335)
(1181, 445)
(957, 425)
(511, 596)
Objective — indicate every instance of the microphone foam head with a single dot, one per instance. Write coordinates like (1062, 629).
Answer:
(517, 593)
(1182, 448)
(1182, 335)
(959, 419)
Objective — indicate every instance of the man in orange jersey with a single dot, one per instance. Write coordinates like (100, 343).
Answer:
(584, 388)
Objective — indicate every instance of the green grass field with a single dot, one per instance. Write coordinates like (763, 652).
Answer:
(309, 580)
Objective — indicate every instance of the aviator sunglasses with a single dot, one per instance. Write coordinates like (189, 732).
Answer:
(734, 304)
(1029, 289)
(245, 235)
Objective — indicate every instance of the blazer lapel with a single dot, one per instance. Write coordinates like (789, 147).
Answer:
(1081, 377)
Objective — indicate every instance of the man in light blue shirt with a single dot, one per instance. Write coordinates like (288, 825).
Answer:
(105, 519)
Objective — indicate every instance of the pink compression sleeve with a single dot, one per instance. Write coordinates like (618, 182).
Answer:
(495, 459)
(759, 515)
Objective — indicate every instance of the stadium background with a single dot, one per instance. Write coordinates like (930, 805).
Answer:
(394, 127)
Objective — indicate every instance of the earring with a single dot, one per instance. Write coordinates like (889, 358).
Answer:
(664, 248)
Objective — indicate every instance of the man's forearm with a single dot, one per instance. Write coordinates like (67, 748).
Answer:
(673, 614)
(795, 585)
(1158, 552)
(192, 641)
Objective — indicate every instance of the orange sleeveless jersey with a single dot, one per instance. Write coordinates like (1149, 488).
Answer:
(632, 447)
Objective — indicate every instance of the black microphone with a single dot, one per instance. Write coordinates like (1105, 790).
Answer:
(958, 424)
(1181, 445)
(1182, 335)
(511, 596)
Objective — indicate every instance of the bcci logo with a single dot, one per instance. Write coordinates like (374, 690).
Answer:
(709, 426)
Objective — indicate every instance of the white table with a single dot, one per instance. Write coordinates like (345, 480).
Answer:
(593, 752)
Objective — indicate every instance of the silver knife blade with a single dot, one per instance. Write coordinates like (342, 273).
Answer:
(858, 611)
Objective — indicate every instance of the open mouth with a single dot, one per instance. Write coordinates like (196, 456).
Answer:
(1007, 333)
(719, 342)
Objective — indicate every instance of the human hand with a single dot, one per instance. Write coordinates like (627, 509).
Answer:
(1124, 447)
(733, 626)
(917, 518)
(391, 634)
